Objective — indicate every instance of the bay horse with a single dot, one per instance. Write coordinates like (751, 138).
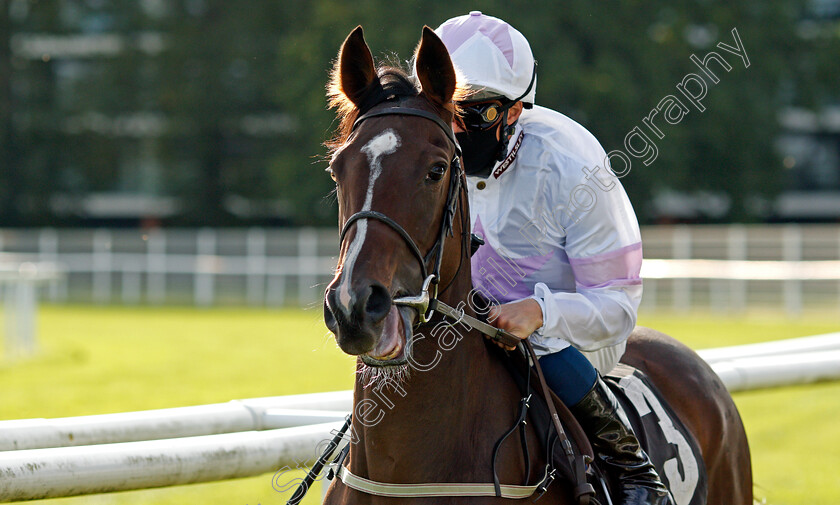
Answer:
(430, 404)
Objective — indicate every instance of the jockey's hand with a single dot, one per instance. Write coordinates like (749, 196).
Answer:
(520, 318)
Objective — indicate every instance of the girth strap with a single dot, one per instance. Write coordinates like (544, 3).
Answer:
(431, 490)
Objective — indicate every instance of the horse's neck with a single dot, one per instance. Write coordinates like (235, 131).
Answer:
(451, 395)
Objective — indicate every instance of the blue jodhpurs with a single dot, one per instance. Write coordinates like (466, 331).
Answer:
(569, 374)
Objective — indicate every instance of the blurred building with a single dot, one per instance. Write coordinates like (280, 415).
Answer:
(147, 112)
(105, 108)
(811, 148)
(809, 145)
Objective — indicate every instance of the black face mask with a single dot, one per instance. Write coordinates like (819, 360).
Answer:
(480, 148)
(481, 151)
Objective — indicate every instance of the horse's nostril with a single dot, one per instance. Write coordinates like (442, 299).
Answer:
(329, 317)
(378, 303)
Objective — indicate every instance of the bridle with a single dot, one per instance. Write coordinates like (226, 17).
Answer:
(426, 301)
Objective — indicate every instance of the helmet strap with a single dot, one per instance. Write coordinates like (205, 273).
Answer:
(505, 132)
(530, 85)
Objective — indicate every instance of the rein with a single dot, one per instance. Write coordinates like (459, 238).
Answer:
(426, 303)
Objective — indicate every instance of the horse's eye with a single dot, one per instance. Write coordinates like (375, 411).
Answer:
(332, 174)
(437, 172)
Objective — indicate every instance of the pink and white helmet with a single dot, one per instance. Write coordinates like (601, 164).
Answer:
(491, 55)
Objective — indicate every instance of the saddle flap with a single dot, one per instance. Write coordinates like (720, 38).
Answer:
(673, 450)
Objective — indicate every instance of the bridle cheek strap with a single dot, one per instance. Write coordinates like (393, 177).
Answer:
(372, 214)
(420, 302)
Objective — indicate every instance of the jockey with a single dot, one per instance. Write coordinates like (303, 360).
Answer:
(562, 249)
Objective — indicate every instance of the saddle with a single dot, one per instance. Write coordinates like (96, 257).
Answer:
(672, 448)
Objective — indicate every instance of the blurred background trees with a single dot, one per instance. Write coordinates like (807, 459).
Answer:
(205, 112)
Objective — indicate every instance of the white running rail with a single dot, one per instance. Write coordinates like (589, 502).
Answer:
(116, 452)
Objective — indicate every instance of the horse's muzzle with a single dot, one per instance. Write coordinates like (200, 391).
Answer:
(357, 317)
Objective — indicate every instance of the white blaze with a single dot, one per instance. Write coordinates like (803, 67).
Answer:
(385, 143)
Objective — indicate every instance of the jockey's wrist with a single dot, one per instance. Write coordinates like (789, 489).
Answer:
(541, 303)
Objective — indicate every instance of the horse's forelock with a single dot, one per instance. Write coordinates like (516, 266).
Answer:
(394, 82)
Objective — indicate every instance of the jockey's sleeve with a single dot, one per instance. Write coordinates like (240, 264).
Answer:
(604, 247)
(590, 319)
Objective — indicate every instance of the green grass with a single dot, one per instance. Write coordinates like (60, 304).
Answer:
(102, 360)
(792, 431)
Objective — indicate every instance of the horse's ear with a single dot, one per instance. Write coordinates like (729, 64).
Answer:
(434, 68)
(354, 71)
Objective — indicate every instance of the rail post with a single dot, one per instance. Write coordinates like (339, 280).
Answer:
(205, 267)
(256, 266)
(156, 266)
(103, 265)
(792, 251)
(681, 249)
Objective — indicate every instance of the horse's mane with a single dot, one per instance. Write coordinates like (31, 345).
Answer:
(395, 83)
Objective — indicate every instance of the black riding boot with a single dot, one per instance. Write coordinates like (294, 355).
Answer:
(613, 440)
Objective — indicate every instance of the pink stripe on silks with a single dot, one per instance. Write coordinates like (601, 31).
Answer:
(499, 277)
(615, 268)
(457, 31)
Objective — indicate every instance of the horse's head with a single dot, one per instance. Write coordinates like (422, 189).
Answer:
(396, 169)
